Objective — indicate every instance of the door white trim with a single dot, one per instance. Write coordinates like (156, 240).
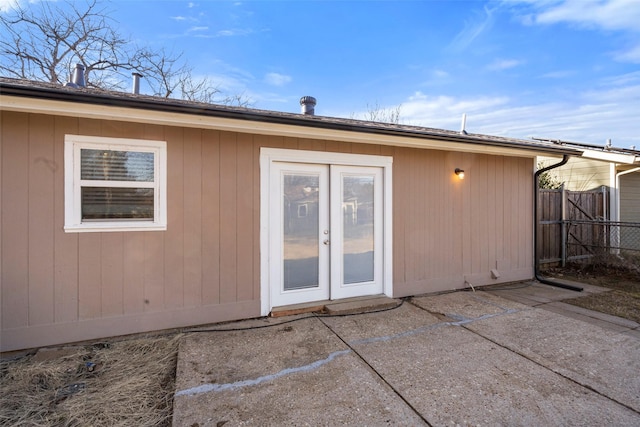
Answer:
(270, 155)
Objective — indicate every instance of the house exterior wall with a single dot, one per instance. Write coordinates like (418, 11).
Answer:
(59, 287)
(580, 174)
(630, 197)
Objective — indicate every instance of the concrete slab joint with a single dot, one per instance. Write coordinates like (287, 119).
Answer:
(460, 358)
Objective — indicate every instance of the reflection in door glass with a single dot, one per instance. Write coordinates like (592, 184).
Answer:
(357, 214)
(300, 230)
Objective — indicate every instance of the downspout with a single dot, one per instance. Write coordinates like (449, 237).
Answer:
(536, 258)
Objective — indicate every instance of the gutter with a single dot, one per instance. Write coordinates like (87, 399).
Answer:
(238, 113)
(536, 257)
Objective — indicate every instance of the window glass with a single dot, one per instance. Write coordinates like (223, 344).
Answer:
(109, 165)
(117, 203)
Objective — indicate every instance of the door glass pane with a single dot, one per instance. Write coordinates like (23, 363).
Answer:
(300, 230)
(357, 213)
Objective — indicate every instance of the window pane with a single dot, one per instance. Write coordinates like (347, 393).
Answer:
(117, 203)
(300, 226)
(109, 165)
(358, 239)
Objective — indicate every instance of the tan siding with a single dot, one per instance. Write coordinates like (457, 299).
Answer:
(133, 272)
(65, 251)
(89, 253)
(311, 144)
(228, 217)
(258, 141)
(456, 230)
(490, 254)
(244, 214)
(89, 275)
(112, 274)
(630, 197)
(400, 201)
(41, 179)
(339, 147)
(211, 217)
(15, 221)
(59, 286)
(192, 218)
(174, 251)
(154, 243)
(465, 187)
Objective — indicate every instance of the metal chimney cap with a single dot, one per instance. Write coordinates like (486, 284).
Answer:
(308, 103)
(307, 100)
(77, 77)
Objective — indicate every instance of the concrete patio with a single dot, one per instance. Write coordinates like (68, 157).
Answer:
(511, 355)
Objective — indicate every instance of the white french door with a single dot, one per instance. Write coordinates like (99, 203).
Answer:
(326, 232)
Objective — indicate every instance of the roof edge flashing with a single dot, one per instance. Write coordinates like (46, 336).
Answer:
(127, 100)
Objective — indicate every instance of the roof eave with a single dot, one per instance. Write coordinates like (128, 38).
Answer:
(236, 113)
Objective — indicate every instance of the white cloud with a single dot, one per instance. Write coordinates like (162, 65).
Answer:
(276, 79)
(607, 112)
(560, 74)
(8, 5)
(631, 55)
(440, 74)
(472, 29)
(504, 64)
(607, 14)
(196, 29)
(624, 79)
(234, 32)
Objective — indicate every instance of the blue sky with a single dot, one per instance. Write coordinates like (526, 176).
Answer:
(562, 69)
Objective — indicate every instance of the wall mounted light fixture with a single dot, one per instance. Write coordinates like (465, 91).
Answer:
(460, 173)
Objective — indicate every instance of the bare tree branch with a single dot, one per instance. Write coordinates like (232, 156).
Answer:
(376, 113)
(43, 42)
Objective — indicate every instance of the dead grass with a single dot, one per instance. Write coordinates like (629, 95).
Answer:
(623, 278)
(123, 383)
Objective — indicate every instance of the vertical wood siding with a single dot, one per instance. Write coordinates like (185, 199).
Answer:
(59, 287)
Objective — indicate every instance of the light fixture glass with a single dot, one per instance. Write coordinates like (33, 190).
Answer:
(460, 173)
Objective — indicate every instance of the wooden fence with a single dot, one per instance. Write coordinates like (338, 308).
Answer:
(567, 230)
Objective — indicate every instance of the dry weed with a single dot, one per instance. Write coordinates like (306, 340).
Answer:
(123, 383)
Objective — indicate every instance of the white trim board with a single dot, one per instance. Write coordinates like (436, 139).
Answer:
(270, 155)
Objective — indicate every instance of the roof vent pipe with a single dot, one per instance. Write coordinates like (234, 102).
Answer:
(463, 125)
(608, 146)
(308, 104)
(77, 78)
(135, 89)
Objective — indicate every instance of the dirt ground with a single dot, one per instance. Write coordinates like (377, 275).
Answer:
(125, 382)
(623, 301)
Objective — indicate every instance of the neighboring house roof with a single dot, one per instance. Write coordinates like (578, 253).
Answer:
(606, 153)
(262, 121)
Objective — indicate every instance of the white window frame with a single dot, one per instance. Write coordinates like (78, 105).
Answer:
(73, 184)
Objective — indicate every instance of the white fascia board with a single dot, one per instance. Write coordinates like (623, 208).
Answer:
(138, 115)
(605, 156)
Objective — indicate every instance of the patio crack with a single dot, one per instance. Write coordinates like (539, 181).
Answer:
(352, 349)
(207, 388)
